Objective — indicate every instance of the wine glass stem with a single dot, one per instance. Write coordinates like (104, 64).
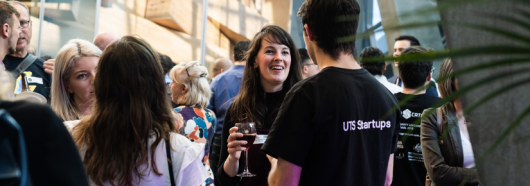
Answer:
(246, 162)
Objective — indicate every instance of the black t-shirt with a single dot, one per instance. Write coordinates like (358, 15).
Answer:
(38, 80)
(333, 126)
(53, 158)
(409, 168)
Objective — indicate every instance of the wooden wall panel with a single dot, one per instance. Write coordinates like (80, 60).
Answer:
(278, 12)
(237, 21)
(177, 45)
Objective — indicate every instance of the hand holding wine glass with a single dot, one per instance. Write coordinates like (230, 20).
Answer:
(235, 146)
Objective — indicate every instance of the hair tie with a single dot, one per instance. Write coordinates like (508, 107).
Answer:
(187, 72)
(203, 75)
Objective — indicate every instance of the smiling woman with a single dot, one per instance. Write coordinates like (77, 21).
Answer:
(272, 68)
(72, 86)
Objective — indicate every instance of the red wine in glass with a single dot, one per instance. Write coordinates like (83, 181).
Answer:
(249, 138)
(248, 129)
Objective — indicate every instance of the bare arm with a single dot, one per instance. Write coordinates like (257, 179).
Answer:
(283, 173)
(390, 170)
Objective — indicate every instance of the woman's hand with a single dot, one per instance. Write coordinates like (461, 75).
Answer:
(234, 145)
(231, 165)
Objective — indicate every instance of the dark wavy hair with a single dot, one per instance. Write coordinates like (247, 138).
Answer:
(374, 67)
(413, 40)
(414, 72)
(131, 105)
(329, 22)
(246, 103)
(240, 49)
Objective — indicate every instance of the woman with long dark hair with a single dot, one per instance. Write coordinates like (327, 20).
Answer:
(272, 68)
(130, 137)
(448, 158)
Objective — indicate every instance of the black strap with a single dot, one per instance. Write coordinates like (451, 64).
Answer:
(28, 60)
(170, 164)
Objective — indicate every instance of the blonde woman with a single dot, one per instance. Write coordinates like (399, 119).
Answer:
(191, 91)
(73, 75)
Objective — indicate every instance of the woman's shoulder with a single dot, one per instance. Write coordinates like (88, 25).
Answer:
(181, 143)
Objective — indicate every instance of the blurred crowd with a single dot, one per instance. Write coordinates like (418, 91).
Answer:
(116, 112)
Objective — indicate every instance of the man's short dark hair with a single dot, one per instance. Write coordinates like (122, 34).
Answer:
(240, 49)
(6, 13)
(167, 63)
(374, 67)
(413, 41)
(304, 56)
(330, 22)
(414, 72)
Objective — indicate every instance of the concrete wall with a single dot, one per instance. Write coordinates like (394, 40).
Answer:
(509, 163)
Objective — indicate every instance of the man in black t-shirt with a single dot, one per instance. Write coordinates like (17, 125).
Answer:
(333, 128)
(38, 80)
(409, 169)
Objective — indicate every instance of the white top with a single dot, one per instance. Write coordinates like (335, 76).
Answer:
(392, 87)
(469, 159)
(186, 158)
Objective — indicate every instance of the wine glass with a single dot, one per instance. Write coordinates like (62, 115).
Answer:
(248, 129)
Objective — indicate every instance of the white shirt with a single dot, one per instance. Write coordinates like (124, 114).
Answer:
(392, 87)
(469, 159)
(186, 160)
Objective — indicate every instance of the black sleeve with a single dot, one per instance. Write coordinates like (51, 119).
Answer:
(221, 175)
(53, 158)
(292, 133)
(395, 134)
(62, 156)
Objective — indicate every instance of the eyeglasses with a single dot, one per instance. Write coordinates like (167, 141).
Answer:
(24, 24)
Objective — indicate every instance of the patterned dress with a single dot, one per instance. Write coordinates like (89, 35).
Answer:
(196, 125)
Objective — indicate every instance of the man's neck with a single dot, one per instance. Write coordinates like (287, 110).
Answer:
(345, 61)
(20, 53)
(239, 63)
(412, 91)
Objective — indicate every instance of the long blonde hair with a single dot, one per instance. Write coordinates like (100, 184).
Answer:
(62, 102)
(193, 75)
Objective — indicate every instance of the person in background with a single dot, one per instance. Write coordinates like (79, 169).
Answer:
(72, 86)
(130, 136)
(377, 68)
(403, 42)
(38, 80)
(272, 68)
(409, 169)
(167, 65)
(448, 158)
(309, 68)
(190, 90)
(101, 41)
(52, 157)
(220, 65)
(334, 128)
(9, 18)
(224, 87)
